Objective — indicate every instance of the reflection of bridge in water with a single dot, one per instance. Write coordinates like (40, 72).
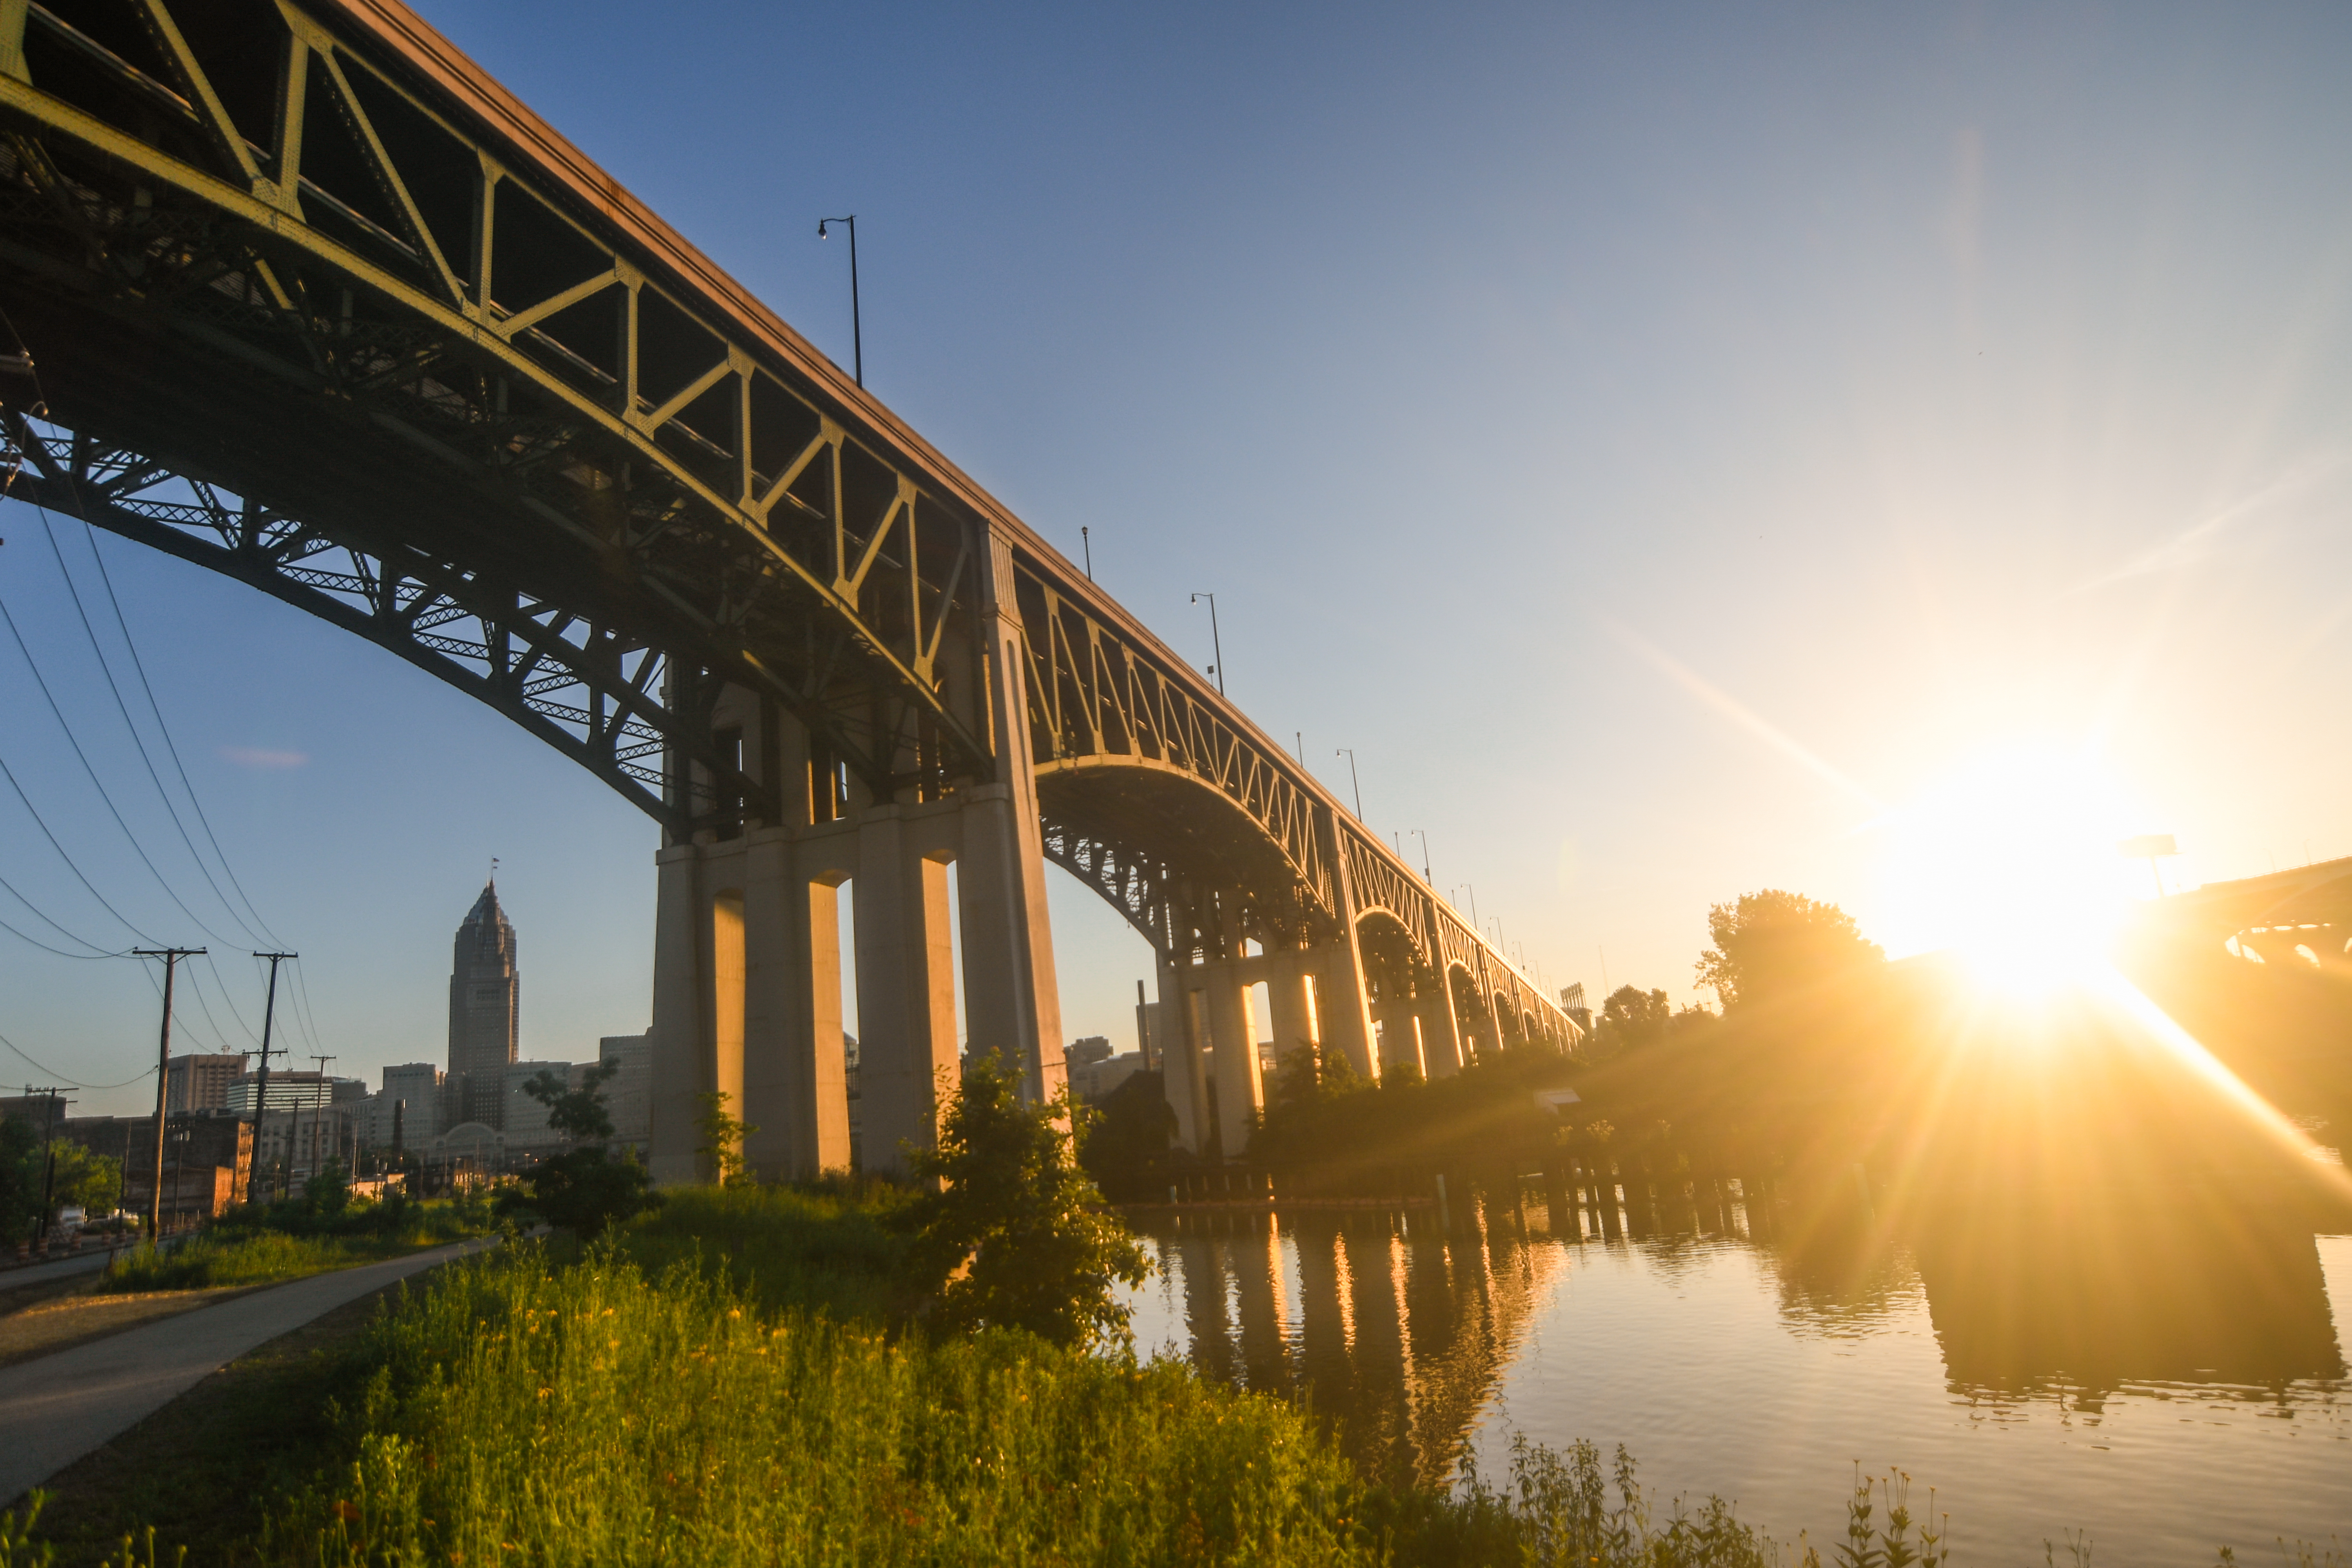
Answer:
(1403, 1328)
(312, 301)
(1397, 1327)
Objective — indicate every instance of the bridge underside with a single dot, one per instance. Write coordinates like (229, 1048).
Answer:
(303, 298)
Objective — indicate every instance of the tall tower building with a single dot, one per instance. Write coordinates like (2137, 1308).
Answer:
(485, 996)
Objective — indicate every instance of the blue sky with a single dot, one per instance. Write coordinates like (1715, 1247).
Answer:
(1662, 442)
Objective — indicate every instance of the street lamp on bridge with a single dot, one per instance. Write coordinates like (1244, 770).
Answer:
(1353, 782)
(1217, 643)
(1466, 887)
(1425, 876)
(856, 329)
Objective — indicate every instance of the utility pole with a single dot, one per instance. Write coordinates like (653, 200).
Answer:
(261, 1081)
(318, 1113)
(171, 957)
(48, 1159)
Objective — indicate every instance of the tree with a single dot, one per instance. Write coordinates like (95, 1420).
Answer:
(91, 1182)
(722, 1138)
(585, 1189)
(1631, 1018)
(578, 1114)
(1770, 945)
(20, 1180)
(1014, 1235)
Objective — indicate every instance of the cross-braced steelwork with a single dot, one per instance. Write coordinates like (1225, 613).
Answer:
(255, 255)
(304, 298)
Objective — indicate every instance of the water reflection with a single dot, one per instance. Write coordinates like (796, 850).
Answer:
(1394, 1326)
(1403, 1325)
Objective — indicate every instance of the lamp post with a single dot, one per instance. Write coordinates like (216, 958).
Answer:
(1425, 876)
(1474, 904)
(1217, 643)
(856, 326)
(1350, 752)
(1086, 544)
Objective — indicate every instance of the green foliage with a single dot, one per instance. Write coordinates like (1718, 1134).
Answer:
(596, 1415)
(1631, 1018)
(578, 1114)
(722, 1138)
(328, 1193)
(588, 1190)
(1329, 1126)
(837, 1246)
(585, 1189)
(1124, 1144)
(288, 1240)
(91, 1182)
(1015, 1235)
(20, 1180)
(1772, 945)
(209, 1260)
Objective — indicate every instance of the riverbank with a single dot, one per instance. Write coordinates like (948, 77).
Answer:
(659, 1397)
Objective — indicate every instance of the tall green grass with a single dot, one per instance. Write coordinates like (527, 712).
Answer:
(248, 1248)
(593, 1415)
(831, 1247)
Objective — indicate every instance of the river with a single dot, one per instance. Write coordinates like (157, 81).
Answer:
(2162, 1386)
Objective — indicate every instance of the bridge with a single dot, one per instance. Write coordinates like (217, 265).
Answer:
(306, 298)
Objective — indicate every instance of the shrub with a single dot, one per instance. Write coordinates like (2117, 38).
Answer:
(1015, 1235)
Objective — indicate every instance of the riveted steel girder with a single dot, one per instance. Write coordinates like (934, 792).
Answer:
(313, 302)
(248, 248)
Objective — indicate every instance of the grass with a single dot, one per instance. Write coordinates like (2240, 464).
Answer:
(289, 1242)
(734, 1381)
(830, 1247)
(215, 1468)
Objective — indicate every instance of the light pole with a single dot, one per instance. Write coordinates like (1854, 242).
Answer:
(856, 326)
(1217, 643)
(1350, 752)
(1425, 876)
(1474, 904)
(1086, 544)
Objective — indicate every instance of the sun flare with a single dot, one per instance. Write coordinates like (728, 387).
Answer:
(2012, 863)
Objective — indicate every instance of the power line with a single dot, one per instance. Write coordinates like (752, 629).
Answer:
(139, 666)
(81, 612)
(302, 991)
(113, 809)
(45, 947)
(10, 775)
(95, 950)
(220, 984)
(52, 1072)
(164, 729)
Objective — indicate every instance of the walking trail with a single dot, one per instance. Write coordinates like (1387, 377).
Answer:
(58, 1409)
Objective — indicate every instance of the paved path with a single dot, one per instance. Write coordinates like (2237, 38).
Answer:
(55, 1409)
(37, 1273)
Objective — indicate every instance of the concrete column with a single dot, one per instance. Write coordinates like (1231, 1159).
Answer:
(681, 1067)
(1441, 1042)
(1341, 1006)
(1240, 1091)
(1399, 1035)
(1183, 1066)
(1010, 997)
(794, 1088)
(1294, 1010)
(906, 992)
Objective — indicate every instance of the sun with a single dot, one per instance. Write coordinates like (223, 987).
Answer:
(2011, 861)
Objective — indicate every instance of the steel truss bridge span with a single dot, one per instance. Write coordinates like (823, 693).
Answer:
(309, 299)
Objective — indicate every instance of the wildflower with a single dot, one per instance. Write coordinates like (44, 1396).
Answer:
(348, 1511)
